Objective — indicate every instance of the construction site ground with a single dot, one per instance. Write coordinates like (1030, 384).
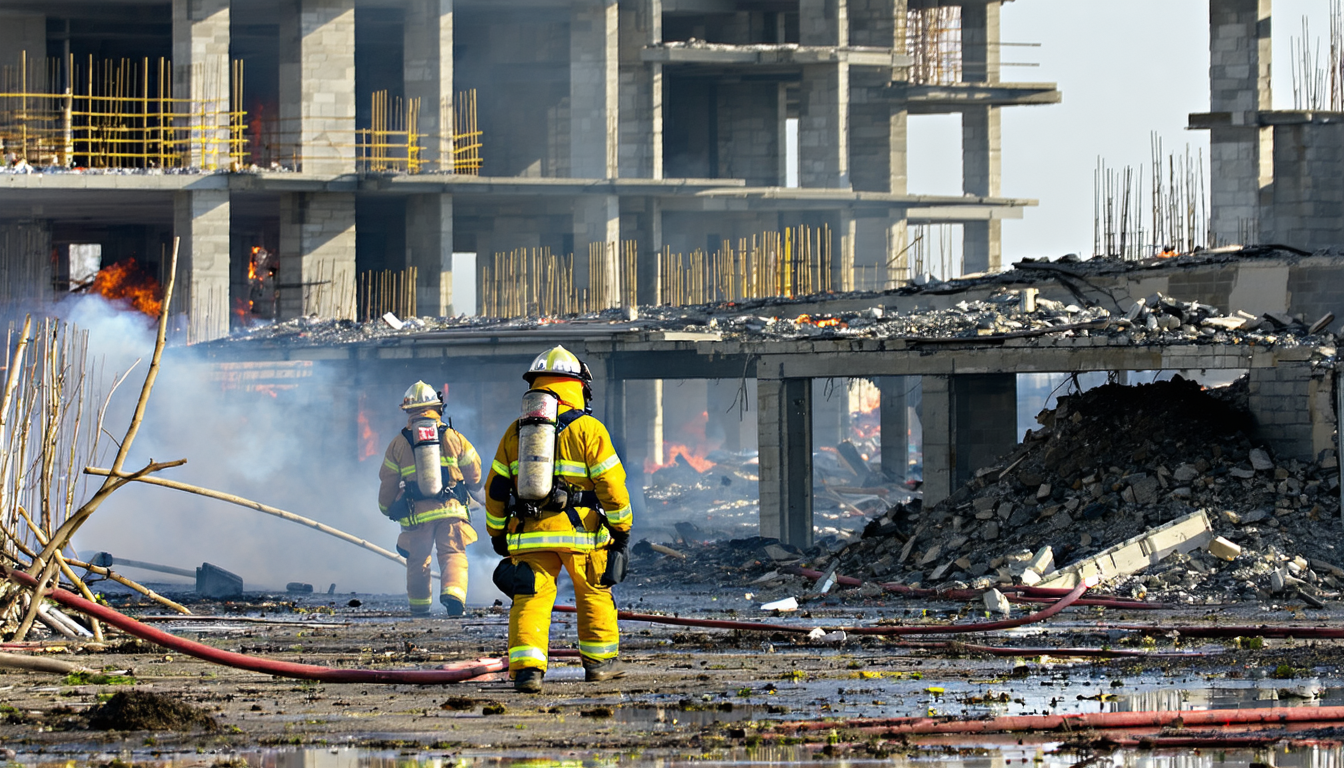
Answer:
(691, 695)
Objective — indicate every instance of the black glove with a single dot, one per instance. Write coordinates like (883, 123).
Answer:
(500, 544)
(619, 539)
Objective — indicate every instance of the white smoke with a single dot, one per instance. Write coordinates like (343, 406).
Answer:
(286, 451)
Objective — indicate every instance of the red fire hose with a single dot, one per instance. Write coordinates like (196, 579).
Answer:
(454, 674)
(1215, 718)
(943, 629)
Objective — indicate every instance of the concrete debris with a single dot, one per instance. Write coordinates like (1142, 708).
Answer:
(1126, 465)
(1222, 548)
(787, 604)
(1129, 557)
(996, 602)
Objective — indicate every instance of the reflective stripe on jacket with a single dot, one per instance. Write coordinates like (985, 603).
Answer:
(586, 458)
(456, 454)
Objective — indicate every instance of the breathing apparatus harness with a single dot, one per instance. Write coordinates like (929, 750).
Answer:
(404, 507)
(517, 578)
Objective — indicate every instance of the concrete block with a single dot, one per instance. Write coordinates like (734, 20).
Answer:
(1224, 549)
(1133, 555)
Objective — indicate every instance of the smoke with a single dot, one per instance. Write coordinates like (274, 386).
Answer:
(284, 446)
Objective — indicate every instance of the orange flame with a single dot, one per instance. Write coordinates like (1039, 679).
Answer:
(694, 450)
(821, 322)
(368, 439)
(127, 281)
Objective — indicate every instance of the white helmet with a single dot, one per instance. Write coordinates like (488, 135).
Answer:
(420, 395)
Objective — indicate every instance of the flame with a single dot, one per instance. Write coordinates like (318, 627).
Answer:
(823, 322)
(695, 448)
(368, 439)
(127, 281)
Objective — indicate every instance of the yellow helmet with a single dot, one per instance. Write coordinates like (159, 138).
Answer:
(420, 395)
(557, 361)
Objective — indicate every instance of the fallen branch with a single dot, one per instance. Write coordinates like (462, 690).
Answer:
(40, 664)
(258, 506)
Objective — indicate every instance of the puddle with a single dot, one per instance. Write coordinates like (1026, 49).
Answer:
(988, 756)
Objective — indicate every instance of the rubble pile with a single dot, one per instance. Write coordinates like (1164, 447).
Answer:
(1007, 314)
(1110, 464)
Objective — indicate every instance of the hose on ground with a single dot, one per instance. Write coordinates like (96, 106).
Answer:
(1264, 630)
(454, 674)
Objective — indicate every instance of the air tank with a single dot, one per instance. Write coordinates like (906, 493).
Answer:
(536, 444)
(428, 468)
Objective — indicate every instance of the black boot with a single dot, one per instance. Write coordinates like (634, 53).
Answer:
(528, 680)
(596, 671)
(455, 607)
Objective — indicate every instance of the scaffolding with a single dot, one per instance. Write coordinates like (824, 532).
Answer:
(121, 114)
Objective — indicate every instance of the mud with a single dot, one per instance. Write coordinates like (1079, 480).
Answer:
(691, 695)
(137, 710)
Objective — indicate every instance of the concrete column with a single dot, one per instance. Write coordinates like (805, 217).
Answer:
(642, 221)
(981, 138)
(202, 219)
(594, 75)
(317, 255)
(969, 421)
(895, 425)
(784, 413)
(881, 260)
(981, 142)
(980, 42)
(24, 35)
(641, 91)
(1240, 152)
(201, 72)
(939, 454)
(1293, 409)
(984, 418)
(644, 420)
(823, 119)
(26, 275)
(428, 66)
(429, 248)
(317, 85)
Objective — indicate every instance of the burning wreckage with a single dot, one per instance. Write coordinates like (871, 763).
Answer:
(1158, 492)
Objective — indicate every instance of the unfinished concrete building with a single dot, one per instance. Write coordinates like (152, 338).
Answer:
(326, 157)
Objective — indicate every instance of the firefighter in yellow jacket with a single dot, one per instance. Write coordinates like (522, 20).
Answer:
(581, 525)
(424, 484)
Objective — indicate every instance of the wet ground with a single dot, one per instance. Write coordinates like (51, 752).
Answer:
(693, 696)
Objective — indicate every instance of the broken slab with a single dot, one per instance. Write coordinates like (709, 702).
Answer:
(1133, 555)
(1222, 548)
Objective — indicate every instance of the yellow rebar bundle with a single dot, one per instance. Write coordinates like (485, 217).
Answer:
(466, 135)
(537, 283)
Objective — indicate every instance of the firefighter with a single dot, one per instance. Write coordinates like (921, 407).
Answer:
(428, 475)
(581, 525)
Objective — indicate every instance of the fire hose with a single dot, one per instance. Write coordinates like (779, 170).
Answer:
(1215, 718)
(452, 674)
(1264, 630)
(1017, 594)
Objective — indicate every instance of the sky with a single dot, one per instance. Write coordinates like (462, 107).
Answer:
(1126, 69)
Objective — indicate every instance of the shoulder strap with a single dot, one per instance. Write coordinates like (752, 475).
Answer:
(567, 418)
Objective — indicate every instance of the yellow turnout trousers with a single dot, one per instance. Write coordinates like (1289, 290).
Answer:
(530, 617)
(417, 543)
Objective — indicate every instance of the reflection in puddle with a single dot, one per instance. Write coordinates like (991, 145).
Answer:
(989, 756)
